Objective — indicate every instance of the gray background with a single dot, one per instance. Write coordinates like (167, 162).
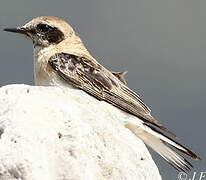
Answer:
(162, 43)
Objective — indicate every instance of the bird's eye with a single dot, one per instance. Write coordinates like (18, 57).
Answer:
(43, 27)
(49, 33)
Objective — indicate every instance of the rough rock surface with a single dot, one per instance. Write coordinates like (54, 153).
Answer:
(49, 133)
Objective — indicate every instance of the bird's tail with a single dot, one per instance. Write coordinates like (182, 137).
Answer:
(163, 144)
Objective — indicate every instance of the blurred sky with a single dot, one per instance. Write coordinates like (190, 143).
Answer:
(161, 43)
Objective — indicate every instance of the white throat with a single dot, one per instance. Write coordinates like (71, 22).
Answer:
(41, 56)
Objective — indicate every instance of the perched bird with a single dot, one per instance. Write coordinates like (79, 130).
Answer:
(61, 59)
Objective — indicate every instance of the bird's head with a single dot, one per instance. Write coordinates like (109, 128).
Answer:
(45, 31)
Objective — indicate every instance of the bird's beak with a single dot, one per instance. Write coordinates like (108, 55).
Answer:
(19, 30)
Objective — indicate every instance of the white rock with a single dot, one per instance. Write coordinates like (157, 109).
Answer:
(49, 133)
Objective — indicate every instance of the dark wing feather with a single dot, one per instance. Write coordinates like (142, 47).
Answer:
(120, 76)
(96, 80)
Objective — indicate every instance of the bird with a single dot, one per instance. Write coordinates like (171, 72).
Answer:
(61, 59)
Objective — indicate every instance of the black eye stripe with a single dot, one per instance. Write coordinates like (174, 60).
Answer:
(44, 27)
(49, 33)
(32, 31)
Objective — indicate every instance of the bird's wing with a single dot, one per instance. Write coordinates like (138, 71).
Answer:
(90, 76)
